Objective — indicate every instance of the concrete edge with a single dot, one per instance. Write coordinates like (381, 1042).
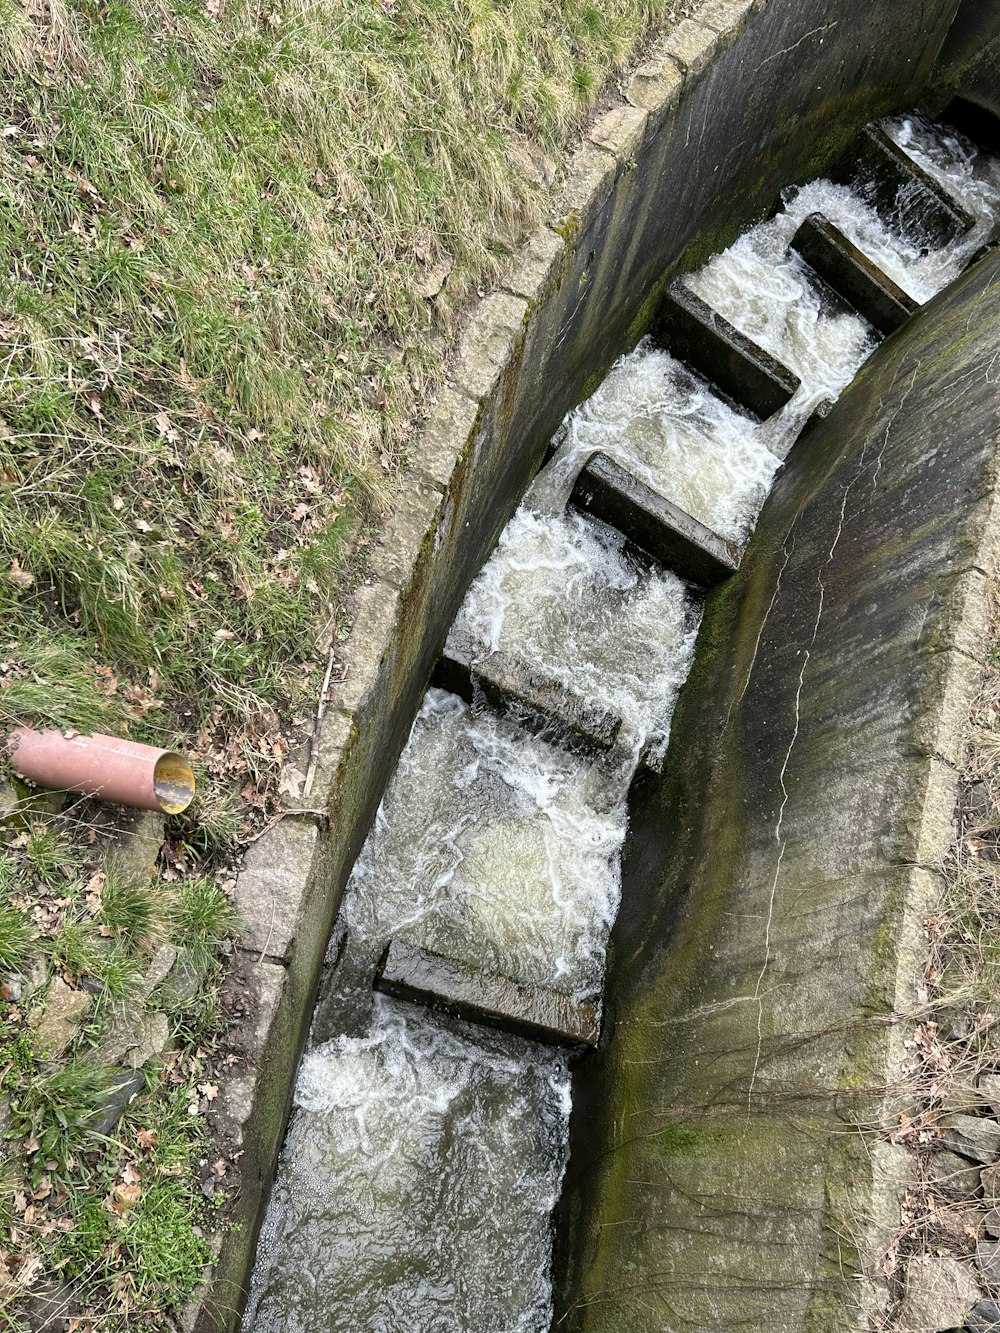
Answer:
(942, 735)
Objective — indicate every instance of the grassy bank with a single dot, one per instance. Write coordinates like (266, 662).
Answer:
(235, 239)
(217, 223)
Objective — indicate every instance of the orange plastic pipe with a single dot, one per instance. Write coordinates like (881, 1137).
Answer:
(106, 767)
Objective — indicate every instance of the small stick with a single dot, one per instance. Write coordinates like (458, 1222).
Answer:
(320, 710)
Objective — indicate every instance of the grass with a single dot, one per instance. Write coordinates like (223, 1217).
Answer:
(218, 224)
(119, 1212)
(215, 219)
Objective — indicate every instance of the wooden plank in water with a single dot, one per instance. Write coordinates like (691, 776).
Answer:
(899, 190)
(852, 274)
(542, 704)
(695, 333)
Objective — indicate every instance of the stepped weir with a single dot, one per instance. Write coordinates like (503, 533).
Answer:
(665, 637)
(431, 1129)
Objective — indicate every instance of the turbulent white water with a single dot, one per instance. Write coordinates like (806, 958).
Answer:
(666, 426)
(416, 1185)
(424, 1157)
(769, 293)
(493, 847)
(956, 163)
(561, 593)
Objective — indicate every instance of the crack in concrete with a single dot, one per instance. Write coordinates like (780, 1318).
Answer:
(823, 27)
(787, 552)
(758, 995)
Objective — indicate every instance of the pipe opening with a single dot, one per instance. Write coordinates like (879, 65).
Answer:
(173, 783)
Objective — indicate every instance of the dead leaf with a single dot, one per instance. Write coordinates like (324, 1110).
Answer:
(290, 782)
(20, 578)
(167, 432)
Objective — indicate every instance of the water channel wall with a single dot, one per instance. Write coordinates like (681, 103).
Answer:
(777, 879)
(727, 109)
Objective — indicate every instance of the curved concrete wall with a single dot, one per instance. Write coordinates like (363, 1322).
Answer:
(777, 881)
(728, 109)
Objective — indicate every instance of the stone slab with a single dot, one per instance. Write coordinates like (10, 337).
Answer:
(56, 1021)
(654, 524)
(727, 16)
(271, 887)
(852, 274)
(690, 329)
(535, 270)
(488, 342)
(375, 607)
(414, 518)
(588, 183)
(411, 973)
(620, 131)
(540, 703)
(656, 85)
(692, 45)
(445, 435)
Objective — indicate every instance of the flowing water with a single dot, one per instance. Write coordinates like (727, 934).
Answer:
(563, 593)
(424, 1156)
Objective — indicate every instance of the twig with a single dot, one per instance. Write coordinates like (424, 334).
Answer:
(320, 710)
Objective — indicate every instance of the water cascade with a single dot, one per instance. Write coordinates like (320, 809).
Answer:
(426, 1150)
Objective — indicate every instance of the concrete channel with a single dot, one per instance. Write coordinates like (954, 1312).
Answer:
(707, 1156)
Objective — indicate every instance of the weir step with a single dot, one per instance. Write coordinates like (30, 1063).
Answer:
(899, 190)
(975, 122)
(654, 524)
(695, 333)
(411, 973)
(542, 704)
(852, 275)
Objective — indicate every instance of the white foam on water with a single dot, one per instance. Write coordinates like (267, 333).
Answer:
(769, 293)
(970, 177)
(561, 594)
(416, 1185)
(667, 427)
(493, 847)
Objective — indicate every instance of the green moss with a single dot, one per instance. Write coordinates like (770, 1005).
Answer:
(568, 227)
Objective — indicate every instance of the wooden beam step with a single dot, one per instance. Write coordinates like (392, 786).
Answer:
(899, 190)
(655, 525)
(852, 274)
(542, 704)
(695, 333)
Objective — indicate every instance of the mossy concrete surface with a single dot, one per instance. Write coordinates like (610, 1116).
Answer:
(777, 877)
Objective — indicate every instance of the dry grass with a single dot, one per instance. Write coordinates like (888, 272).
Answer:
(215, 222)
(955, 1044)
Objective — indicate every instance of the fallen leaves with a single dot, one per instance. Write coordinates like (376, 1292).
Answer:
(20, 578)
